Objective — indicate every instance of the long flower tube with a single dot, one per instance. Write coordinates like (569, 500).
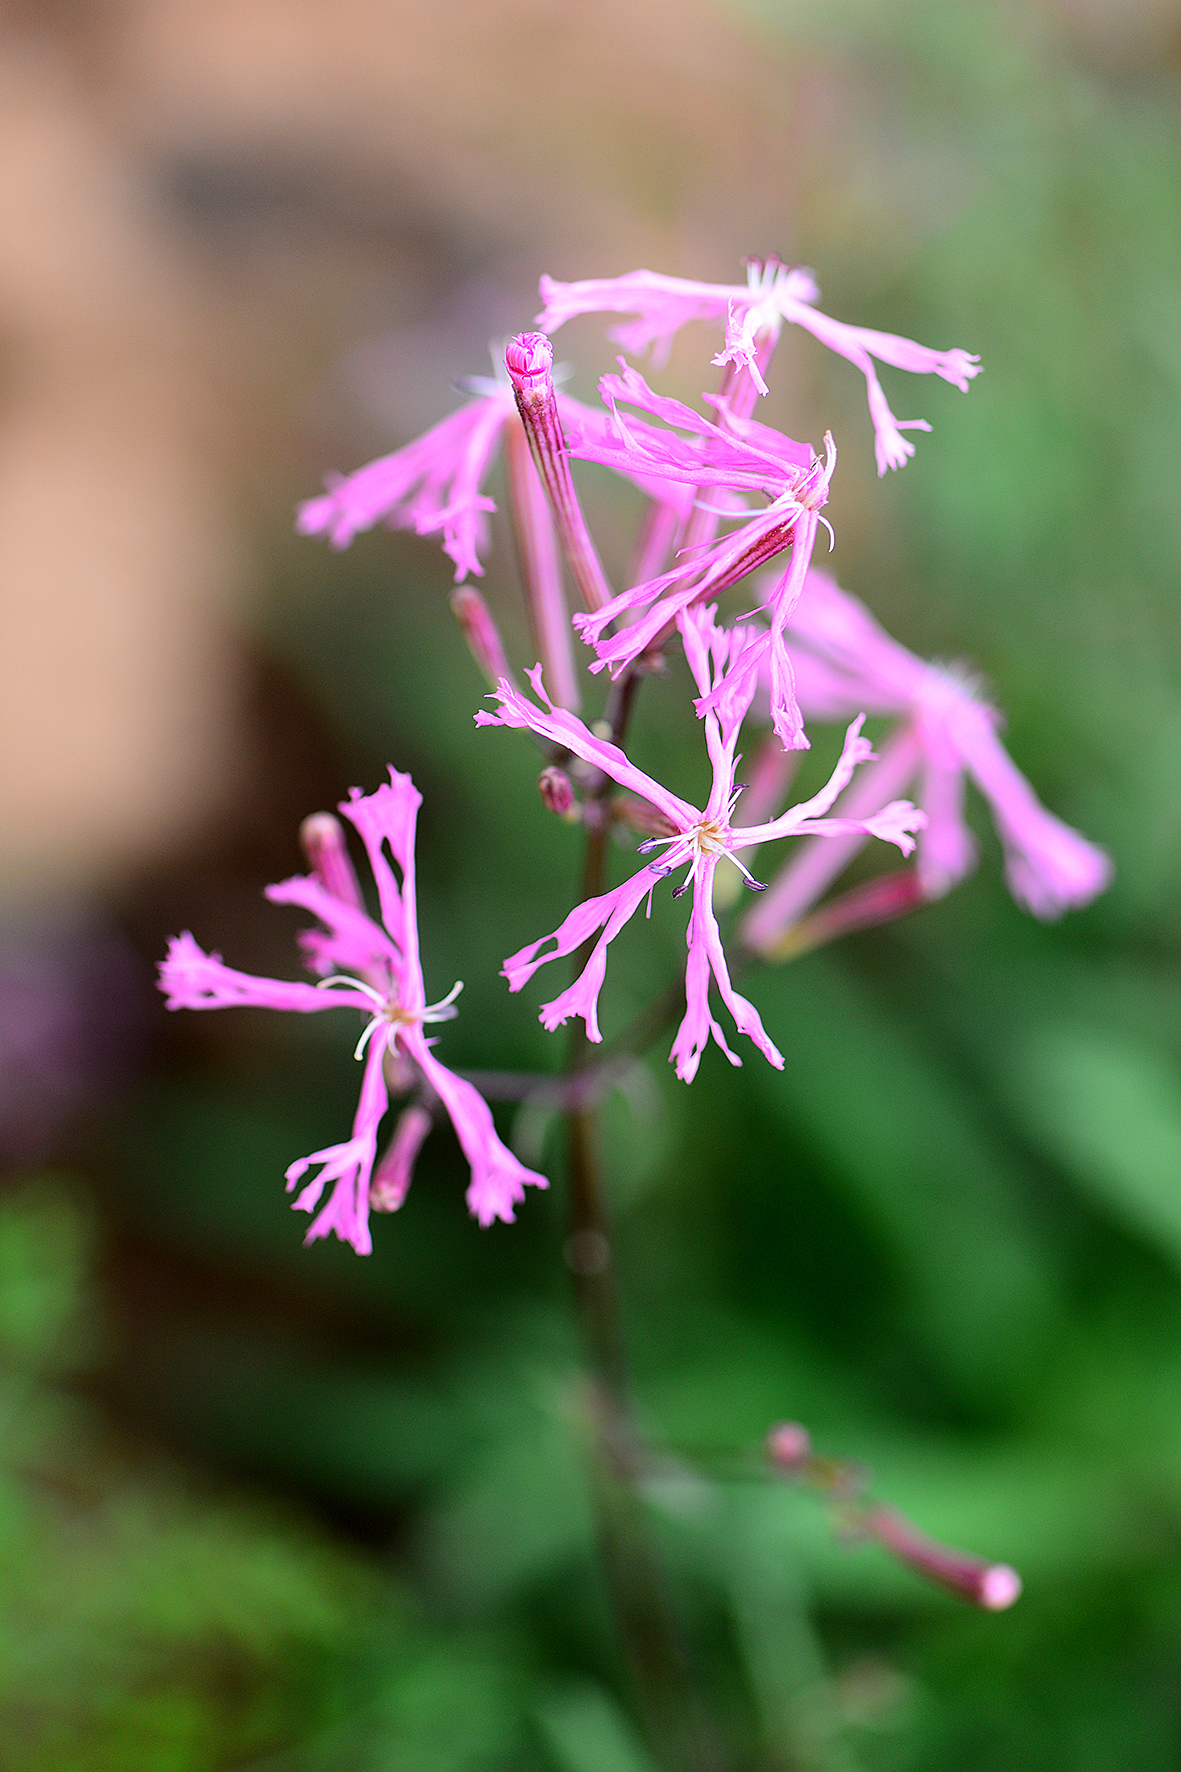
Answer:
(529, 360)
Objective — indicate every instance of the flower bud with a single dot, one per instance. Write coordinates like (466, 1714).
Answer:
(391, 1178)
(529, 359)
(992, 1585)
(553, 784)
(322, 839)
(481, 633)
(789, 1445)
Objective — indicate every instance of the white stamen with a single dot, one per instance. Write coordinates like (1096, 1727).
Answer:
(354, 984)
(388, 1013)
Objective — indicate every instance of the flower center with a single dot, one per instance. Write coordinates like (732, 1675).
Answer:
(388, 1013)
(709, 837)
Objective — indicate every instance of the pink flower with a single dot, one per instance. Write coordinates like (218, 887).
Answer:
(697, 840)
(373, 967)
(774, 292)
(431, 484)
(738, 457)
(844, 660)
(434, 483)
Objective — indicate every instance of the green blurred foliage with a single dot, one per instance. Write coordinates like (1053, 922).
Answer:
(947, 1236)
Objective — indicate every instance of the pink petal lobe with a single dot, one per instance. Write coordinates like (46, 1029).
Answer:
(856, 750)
(707, 957)
(388, 817)
(498, 1179)
(430, 484)
(352, 942)
(609, 913)
(193, 979)
(348, 1166)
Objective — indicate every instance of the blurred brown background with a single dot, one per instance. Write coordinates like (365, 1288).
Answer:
(201, 206)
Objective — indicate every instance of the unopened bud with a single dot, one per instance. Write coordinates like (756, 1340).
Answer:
(481, 633)
(992, 1585)
(391, 1178)
(529, 359)
(323, 841)
(553, 784)
(789, 1445)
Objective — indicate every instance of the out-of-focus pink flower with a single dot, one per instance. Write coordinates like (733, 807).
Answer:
(774, 292)
(993, 1586)
(737, 457)
(434, 483)
(481, 632)
(698, 840)
(373, 967)
(843, 660)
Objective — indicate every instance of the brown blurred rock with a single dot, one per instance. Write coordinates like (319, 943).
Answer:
(202, 203)
(114, 550)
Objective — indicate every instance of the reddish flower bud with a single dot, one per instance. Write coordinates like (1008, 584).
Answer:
(481, 633)
(391, 1178)
(553, 784)
(530, 361)
(322, 839)
(789, 1445)
(992, 1585)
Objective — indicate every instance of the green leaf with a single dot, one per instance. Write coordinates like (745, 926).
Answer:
(1107, 1109)
(586, 1731)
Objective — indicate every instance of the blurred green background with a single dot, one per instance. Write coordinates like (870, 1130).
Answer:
(299, 1511)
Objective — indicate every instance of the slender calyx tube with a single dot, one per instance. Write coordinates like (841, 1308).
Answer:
(530, 362)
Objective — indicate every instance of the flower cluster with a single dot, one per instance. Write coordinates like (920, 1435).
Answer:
(727, 497)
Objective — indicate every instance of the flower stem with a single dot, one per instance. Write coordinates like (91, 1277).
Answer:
(667, 1697)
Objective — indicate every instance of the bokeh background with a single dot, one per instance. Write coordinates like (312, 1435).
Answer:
(291, 1509)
